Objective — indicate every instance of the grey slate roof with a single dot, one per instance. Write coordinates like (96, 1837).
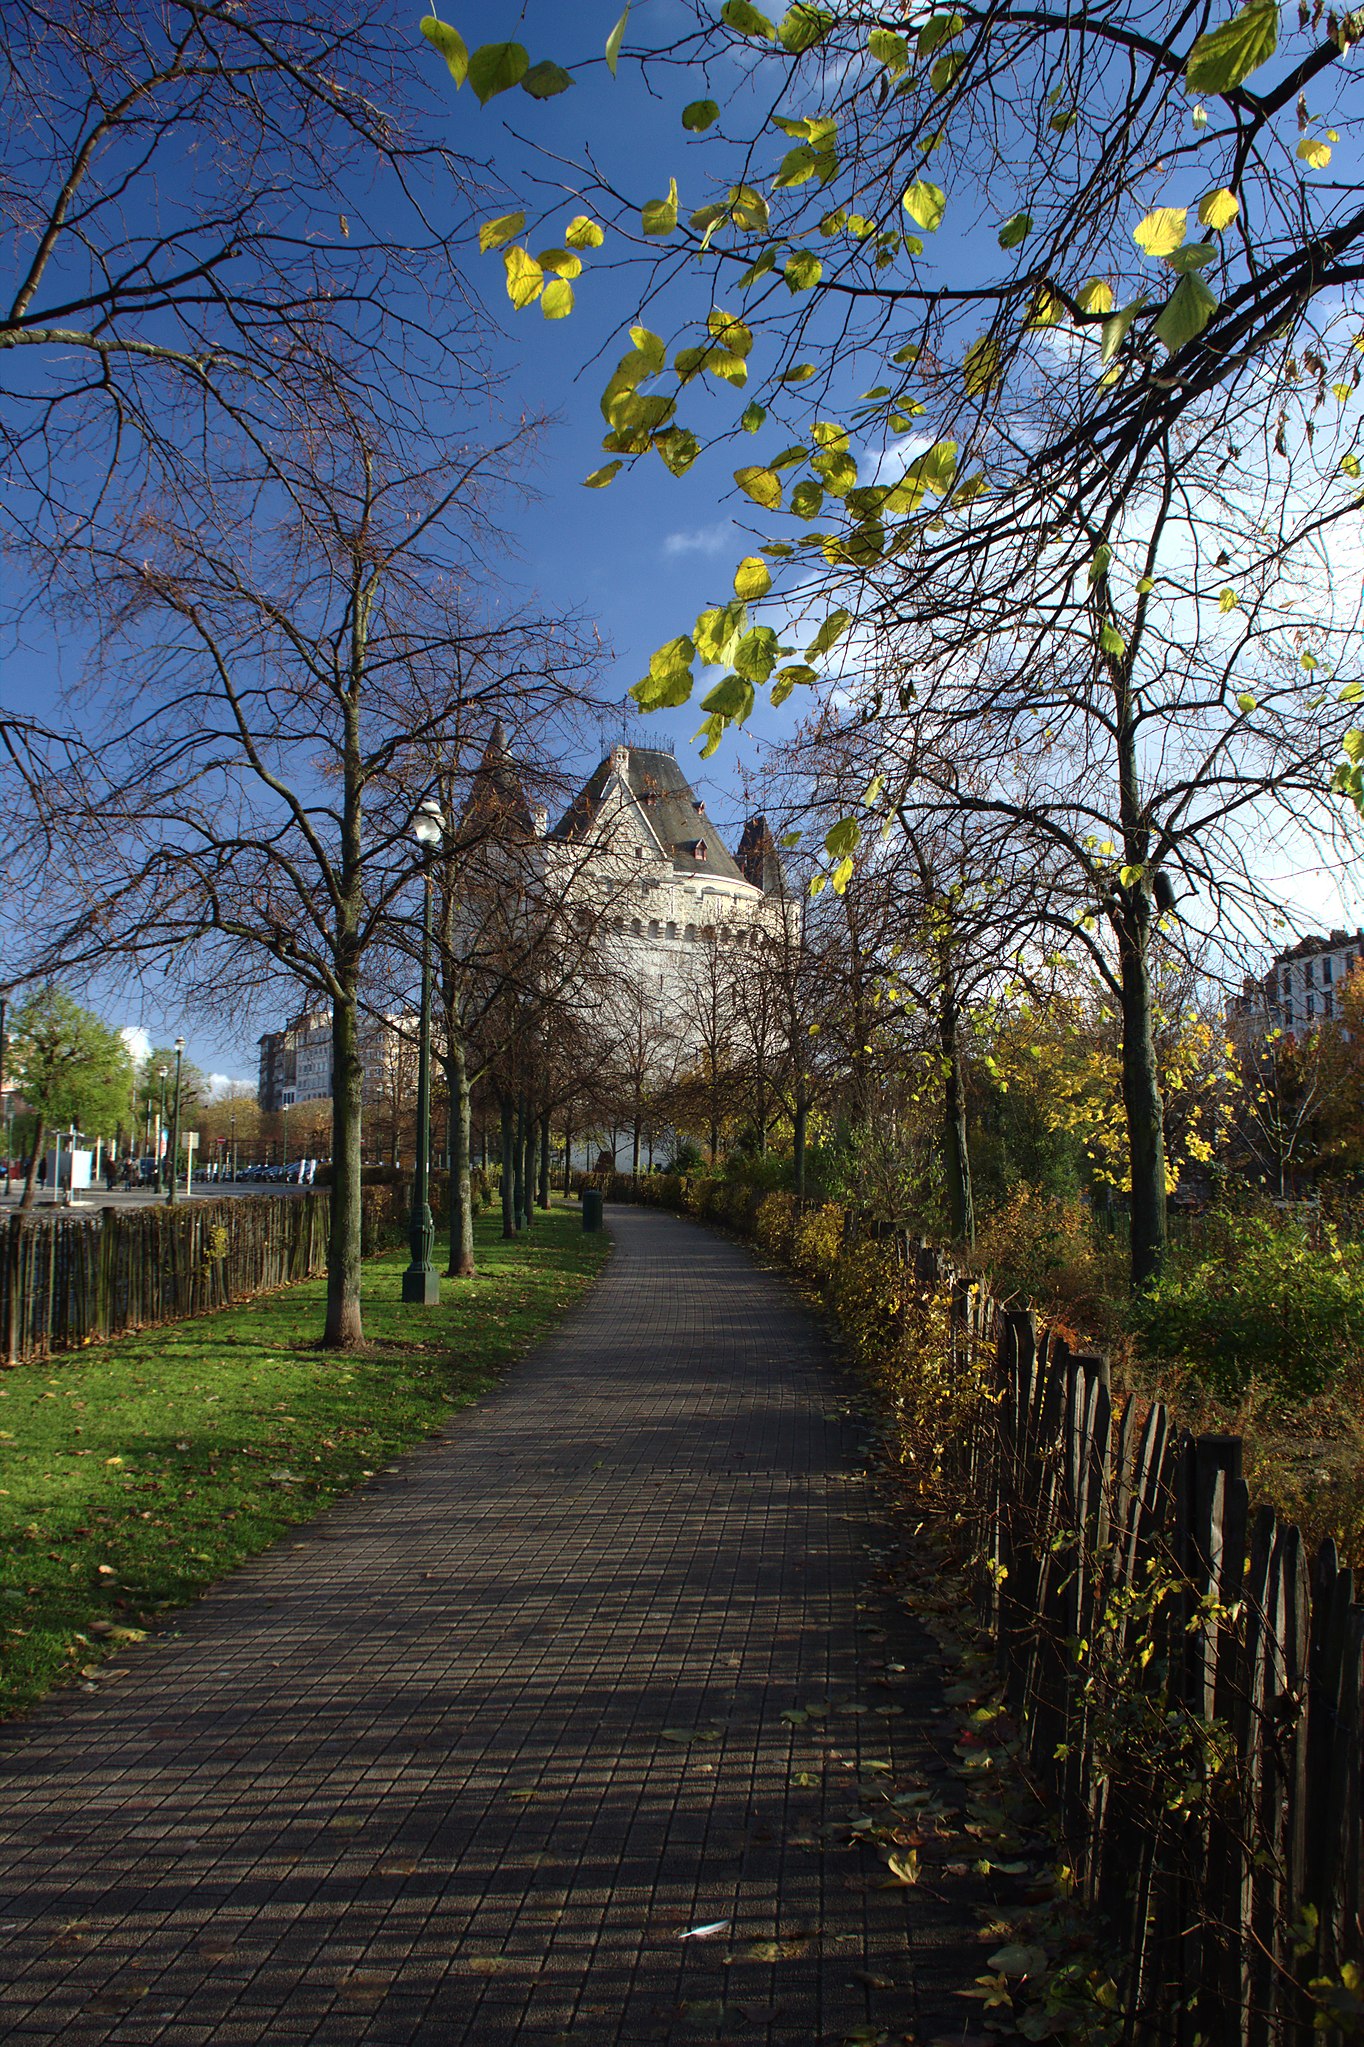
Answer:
(671, 807)
(760, 860)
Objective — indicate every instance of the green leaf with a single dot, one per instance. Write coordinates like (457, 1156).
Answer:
(752, 417)
(926, 204)
(788, 679)
(802, 26)
(1098, 568)
(730, 331)
(583, 232)
(1015, 230)
(803, 270)
(599, 478)
(1112, 641)
(807, 499)
(659, 217)
(762, 485)
(451, 45)
(556, 300)
(832, 630)
(1224, 56)
(651, 346)
(1316, 155)
(676, 655)
(714, 729)
(1115, 329)
(700, 115)
(525, 278)
(745, 19)
(1193, 256)
(1185, 313)
(494, 233)
(679, 448)
(496, 68)
(732, 698)
(615, 39)
(799, 373)
(1162, 231)
(752, 578)
(1218, 209)
(939, 29)
(1245, 702)
(1227, 600)
(545, 81)
(982, 367)
(756, 654)
(718, 633)
(663, 692)
(843, 838)
(945, 70)
(1061, 124)
(560, 262)
(889, 49)
(1350, 465)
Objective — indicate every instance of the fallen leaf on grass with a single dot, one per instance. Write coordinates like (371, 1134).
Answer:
(774, 1950)
(685, 1735)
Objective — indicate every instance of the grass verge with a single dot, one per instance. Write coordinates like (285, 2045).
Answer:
(133, 1475)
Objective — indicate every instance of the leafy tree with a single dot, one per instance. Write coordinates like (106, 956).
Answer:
(149, 1094)
(71, 1069)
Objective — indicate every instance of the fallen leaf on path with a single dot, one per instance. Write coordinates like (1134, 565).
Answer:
(903, 1865)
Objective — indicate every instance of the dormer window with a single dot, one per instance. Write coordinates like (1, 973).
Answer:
(700, 849)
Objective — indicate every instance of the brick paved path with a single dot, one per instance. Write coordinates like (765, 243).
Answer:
(464, 1762)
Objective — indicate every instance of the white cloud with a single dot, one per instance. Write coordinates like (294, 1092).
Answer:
(138, 1042)
(701, 540)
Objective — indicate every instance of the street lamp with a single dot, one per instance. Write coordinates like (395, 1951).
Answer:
(421, 1281)
(284, 1144)
(160, 1127)
(173, 1195)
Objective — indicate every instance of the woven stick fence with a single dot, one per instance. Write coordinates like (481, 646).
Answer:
(1187, 1682)
(71, 1279)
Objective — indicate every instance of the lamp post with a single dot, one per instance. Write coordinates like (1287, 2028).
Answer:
(421, 1281)
(284, 1144)
(173, 1195)
(160, 1129)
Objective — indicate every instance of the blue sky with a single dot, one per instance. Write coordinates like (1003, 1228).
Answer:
(642, 557)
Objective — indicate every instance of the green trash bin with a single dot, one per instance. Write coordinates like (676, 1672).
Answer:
(591, 1208)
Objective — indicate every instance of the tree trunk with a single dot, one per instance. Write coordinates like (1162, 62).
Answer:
(956, 1144)
(568, 1160)
(31, 1176)
(799, 1126)
(344, 1326)
(634, 1149)
(461, 1264)
(508, 1166)
(529, 1131)
(544, 1159)
(1141, 1094)
(519, 1163)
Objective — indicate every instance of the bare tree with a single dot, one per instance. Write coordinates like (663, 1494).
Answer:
(287, 655)
(196, 197)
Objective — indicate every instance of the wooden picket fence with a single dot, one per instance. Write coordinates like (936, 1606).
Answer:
(1188, 1684)
(75, 1278)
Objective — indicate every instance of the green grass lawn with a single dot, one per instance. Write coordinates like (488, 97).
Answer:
(133, 1475)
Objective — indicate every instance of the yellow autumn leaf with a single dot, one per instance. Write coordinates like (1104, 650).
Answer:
(1218, 209)
(752, 578)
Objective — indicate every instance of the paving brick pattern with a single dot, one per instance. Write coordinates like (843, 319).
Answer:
(467, 1760)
